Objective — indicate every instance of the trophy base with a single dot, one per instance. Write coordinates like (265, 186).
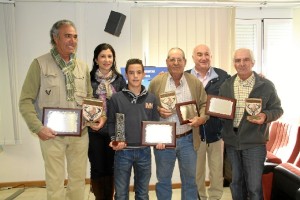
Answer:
(253, 117)
(115, 143)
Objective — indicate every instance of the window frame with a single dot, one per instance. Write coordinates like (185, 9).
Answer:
(258, 51)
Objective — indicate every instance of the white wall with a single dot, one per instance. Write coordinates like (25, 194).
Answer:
(23, 162)
(33, 23)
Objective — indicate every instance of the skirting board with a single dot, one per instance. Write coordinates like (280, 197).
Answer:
(26, 184)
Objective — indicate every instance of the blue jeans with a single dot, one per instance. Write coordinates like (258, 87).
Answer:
(165, 162)
(140, 160)
(247, 169)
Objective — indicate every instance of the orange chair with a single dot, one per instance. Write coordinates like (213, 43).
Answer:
(283, 147)
(286, 181)
(282, 144)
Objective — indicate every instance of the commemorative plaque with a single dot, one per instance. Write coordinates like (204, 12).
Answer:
(253, 107)
(91, 110)
(64, 121)
(219, 106)
(119, 129)
(186, 111)
(154, 132)
(168, 100)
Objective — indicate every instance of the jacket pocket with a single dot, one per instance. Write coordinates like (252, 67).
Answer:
(80, 83)
(81, 88)
(49, 91)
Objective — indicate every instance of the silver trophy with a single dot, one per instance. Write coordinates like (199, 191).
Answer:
(253, 107)
(119, 129)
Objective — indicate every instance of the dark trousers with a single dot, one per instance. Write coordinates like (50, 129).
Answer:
(101, 158)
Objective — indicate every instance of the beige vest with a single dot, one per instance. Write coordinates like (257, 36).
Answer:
(53, 86)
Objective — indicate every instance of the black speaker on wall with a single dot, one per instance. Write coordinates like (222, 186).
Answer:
(115, 23)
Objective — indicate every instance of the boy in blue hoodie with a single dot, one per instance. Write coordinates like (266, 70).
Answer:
(137, 105)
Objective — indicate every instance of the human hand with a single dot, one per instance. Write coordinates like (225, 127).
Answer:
(117, 145)
(196, 121)
(160, 146)
(46, 133)
(98, 124)
(164, 113)
(257, 119)
(261, 75)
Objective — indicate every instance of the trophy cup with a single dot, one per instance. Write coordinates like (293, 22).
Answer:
(119, 129)
(253, 107)
(91, 110)
(168, 100)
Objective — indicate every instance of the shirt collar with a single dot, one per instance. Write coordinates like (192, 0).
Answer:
(181, 81)
(249, 81)
(195, 72)
(211, 74)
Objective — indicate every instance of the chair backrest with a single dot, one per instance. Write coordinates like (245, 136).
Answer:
(284, 141)
(272, 135)
(297, 160)
(296, 153)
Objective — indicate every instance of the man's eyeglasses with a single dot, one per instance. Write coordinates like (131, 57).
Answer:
(173, 60)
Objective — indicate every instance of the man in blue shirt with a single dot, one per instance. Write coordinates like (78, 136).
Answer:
(211, 146)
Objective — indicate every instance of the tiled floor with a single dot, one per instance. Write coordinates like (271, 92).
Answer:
(40, 194)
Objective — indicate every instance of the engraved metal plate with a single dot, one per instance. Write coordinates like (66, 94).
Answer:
(186, 111)
(64, 121)
(219, 106)
(154, 132)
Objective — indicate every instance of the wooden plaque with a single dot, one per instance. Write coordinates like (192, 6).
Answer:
(154, 132)
(186, 111)
(221, 107)
(64, 121)
(168, 100)
(91, 110)
(253, 107)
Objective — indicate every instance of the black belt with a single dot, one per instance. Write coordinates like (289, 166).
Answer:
(184, 134)
(235, 129)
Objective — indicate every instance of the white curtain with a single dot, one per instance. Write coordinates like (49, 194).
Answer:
(155, 30)
(9, 133)
(296, 26)
(295, 69)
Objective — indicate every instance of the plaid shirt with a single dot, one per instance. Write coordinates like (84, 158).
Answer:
(242, 90)
(183, 94)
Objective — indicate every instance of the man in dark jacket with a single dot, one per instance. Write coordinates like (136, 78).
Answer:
(245, 137)
(211, 146)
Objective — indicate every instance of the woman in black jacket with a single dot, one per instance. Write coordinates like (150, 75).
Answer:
(105, 80)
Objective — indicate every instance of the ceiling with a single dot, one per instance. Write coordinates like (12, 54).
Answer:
(190, 3)
(234, 3)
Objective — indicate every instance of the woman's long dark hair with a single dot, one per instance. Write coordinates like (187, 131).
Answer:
(98, 49)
